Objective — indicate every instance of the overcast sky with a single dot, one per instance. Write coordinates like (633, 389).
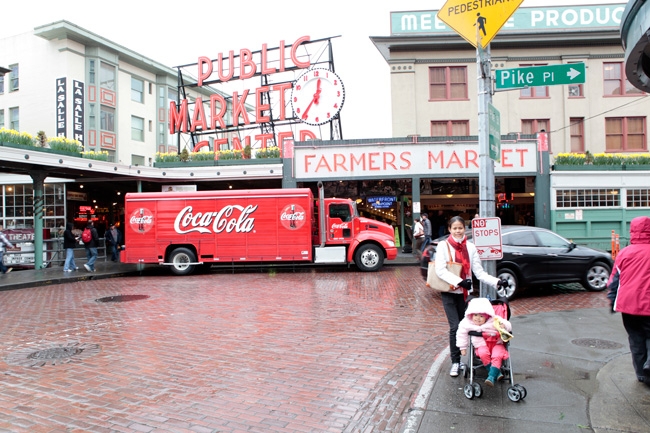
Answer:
(175, 33)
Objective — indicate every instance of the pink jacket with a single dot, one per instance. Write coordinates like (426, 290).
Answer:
(629, 284)
(478, 305)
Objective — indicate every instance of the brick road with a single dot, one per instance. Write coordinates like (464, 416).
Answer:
(311, 351)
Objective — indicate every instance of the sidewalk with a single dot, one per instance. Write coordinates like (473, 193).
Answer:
(24, 278)
(577, 371)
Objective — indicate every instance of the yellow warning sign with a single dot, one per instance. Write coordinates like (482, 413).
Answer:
(478, 21)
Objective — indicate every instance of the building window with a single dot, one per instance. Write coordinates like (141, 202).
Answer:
(107, 76)
(638, 198)
(448, 83)
(534, 92)
(14, 118)
(13, 78)
(581, 198)
(533, 126)
(625, 134)
(2, 118)
(2, 84)
(137, 160)
(137, 90)
(137, 128)
(614, 81)
(446, 128)
(107, 119)
(91, 72)
(577, 125)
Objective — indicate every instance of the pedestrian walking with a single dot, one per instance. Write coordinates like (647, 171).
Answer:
(426, 223)
(69, 244)
(90, 239)
(4, 242)
(418, 237)
(113, 238)
(453, 302)
(629, 294)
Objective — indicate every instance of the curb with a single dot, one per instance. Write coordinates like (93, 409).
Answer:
(419, 405)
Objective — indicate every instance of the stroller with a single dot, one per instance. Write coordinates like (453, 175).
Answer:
(473, 389)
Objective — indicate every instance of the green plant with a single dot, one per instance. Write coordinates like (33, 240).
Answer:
(167, 157)
(41, 138)
(100, 155)
(13, 136)
(202, 156)
(610, 159)
(247, 152)
(185, 155)
(231, 154)
(65, 144)
(269, 152)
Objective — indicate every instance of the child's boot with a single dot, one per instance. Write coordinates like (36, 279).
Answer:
(492, 376)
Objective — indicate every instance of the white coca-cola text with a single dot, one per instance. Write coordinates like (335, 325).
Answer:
(340, 226)
(297, 216)
(223, 220)
(147, 219)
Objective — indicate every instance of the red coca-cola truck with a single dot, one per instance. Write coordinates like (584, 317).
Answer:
(186, 230)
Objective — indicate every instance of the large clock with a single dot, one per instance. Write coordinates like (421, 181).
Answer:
(317, 96)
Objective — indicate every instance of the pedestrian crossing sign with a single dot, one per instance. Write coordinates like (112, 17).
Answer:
(478, 21)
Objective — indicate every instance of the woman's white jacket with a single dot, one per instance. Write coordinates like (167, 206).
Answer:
(442, 257)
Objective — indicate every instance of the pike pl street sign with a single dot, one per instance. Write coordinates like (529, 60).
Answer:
(533, 76)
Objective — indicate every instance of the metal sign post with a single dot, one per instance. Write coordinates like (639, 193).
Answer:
(486, 164)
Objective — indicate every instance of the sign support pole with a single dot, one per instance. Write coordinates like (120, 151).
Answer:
(486, 165)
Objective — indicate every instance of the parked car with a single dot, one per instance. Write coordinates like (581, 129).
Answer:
(533, 256)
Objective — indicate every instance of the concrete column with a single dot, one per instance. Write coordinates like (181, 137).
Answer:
(38, 178)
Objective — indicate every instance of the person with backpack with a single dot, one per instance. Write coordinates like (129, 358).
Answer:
(90, 238)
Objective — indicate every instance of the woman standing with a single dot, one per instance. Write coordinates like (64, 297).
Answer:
(454, 301)
(69, 243)
(629, 294)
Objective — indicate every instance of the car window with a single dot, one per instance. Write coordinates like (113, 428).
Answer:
(552, 240)
(520, 239)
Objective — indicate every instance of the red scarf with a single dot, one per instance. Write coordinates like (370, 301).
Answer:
(462, 256)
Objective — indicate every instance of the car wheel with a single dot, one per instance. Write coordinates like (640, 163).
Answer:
(181, 259)
(369, 257)
(596, 277)
(513, 284)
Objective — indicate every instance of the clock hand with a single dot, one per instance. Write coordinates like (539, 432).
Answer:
(314, 100)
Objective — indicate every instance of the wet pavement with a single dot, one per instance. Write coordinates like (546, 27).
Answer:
(267, 350)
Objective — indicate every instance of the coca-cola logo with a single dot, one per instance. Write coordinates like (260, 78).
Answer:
(340, 226)
(293, 216)
(231, 218)
(141, 220)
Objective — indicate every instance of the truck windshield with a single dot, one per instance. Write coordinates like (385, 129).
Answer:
(355, 212)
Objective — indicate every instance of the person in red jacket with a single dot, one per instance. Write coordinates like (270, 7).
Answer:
(629, 294)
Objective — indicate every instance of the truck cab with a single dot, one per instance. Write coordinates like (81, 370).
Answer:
(365, 242)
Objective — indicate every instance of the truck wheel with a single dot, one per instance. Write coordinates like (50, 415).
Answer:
(180, 259)
(369, 258)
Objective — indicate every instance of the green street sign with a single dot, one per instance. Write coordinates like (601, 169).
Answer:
(517, 78)
(494, 132)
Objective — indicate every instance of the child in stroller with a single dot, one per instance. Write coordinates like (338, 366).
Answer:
(488, 332)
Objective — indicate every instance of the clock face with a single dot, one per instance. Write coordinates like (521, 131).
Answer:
(317, 96)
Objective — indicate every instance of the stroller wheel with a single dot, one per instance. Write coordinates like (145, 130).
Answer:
(469, 391)
(478, 391)
(522, 390)
(514, 394)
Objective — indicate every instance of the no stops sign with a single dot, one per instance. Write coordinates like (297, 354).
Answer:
(486, 235)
